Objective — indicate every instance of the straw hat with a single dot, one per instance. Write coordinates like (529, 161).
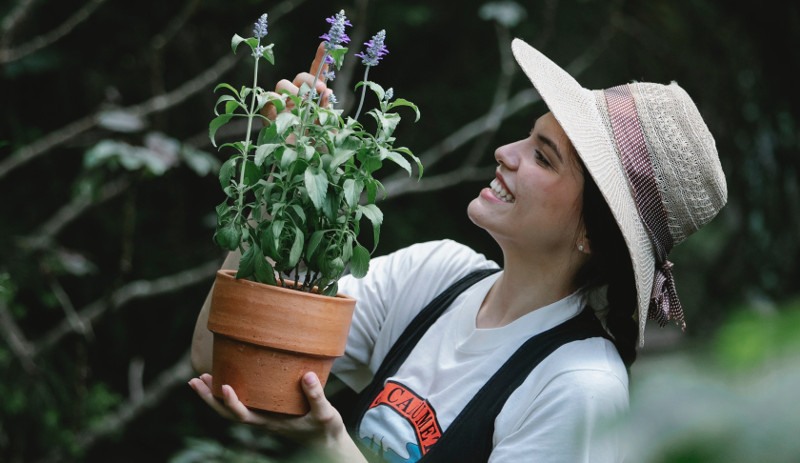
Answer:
(653, 159)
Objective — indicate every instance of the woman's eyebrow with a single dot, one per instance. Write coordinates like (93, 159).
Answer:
(552, 146)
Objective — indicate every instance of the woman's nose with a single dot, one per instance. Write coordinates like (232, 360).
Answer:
(506, 155)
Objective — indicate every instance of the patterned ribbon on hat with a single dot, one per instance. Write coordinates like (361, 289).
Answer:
(629, 136)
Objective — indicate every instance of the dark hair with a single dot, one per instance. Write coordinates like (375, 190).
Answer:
(610, 264)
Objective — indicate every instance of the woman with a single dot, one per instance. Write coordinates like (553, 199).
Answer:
(529, 362)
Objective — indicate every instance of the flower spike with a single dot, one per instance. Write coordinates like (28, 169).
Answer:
(260, 29)
(336, 36)
(375, 51)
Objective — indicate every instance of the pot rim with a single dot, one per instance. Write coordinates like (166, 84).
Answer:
(231, 275)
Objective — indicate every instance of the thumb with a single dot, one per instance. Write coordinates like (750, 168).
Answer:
(321, 409)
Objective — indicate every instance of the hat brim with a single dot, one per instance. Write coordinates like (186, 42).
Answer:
(576, 109)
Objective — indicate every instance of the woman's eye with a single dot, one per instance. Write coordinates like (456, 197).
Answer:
(540, 158)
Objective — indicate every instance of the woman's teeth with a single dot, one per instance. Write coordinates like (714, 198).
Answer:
(501, 192)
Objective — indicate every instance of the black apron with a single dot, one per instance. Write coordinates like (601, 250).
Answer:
(469, 436)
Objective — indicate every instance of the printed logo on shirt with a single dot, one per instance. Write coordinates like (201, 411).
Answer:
(399, 426)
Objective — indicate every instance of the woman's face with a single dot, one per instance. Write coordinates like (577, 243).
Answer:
(535, 201)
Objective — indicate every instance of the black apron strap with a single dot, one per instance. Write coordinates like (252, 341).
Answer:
(410, 337)
(469, 438)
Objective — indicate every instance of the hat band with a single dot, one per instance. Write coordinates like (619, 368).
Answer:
(629, 137)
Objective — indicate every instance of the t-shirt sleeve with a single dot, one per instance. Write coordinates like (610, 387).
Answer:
(396, 287)
(575, 419)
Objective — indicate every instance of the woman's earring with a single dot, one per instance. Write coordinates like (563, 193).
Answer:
(580, 247)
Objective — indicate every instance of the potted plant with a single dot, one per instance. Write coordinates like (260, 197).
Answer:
(295, 198)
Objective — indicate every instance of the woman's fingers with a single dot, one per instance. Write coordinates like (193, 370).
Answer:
(321, 410)
(307, 78)
(202, 387)
(238, 409)
(317, 61)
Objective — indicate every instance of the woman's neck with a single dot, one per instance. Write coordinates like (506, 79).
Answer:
(527, 283)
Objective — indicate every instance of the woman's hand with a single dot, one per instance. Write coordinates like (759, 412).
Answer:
(321, 423)
(322, 426)
(300, 79)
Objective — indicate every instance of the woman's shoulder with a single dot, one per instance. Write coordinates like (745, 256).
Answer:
(579, 372)
(443, 260)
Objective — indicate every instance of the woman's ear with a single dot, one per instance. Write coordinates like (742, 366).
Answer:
(584, 244)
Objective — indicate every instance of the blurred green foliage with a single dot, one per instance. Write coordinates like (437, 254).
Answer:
(733, 398)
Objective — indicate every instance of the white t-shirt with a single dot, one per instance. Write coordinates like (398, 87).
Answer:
(563, 412)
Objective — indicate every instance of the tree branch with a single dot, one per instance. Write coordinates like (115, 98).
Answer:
(133, 290)
(12, 19)
(114, 422)
(8, 55)
(30, 152)
(69, 212)
(16, 340)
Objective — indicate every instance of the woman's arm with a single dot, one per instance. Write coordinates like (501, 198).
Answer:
(202, 339)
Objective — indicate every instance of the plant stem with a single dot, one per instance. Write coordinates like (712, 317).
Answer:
(319, 71)
(363, 93)
(247, 139)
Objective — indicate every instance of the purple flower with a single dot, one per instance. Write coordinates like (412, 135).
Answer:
(259, 51)
(336, 35)
(375, 51)
(261, 27)
(329, 75)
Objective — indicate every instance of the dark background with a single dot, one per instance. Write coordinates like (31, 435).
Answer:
(104, 267)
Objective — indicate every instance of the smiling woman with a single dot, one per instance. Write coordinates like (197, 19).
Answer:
(456, 359)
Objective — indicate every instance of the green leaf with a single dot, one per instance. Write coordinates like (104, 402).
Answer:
(252, 42)
(233, 90)
(301, 215)
(372, 212)
(347, 248)
(359, 263)
(277, 229)
(235, 41)
(313, 242)
(372, 192)
(341, 156)
(230, 106)
(284, 121)
(408, 153)
(287, 158)
(297, 247)
(402, 102)
(228, 237)
(374, 87)
(388, 122)
(308, 152)
(215, 124)
(247, 262)
(375, 216)
(262, 151)
(316, 183)
(268, 134)
(226, 172)
(331, 290)
(268, 54)
(338, 56)
(264, 272)
(397, 158)
(352, 191)
(228, 99)
(252, 174)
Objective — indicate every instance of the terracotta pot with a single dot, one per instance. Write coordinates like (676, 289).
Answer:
(267, 337)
